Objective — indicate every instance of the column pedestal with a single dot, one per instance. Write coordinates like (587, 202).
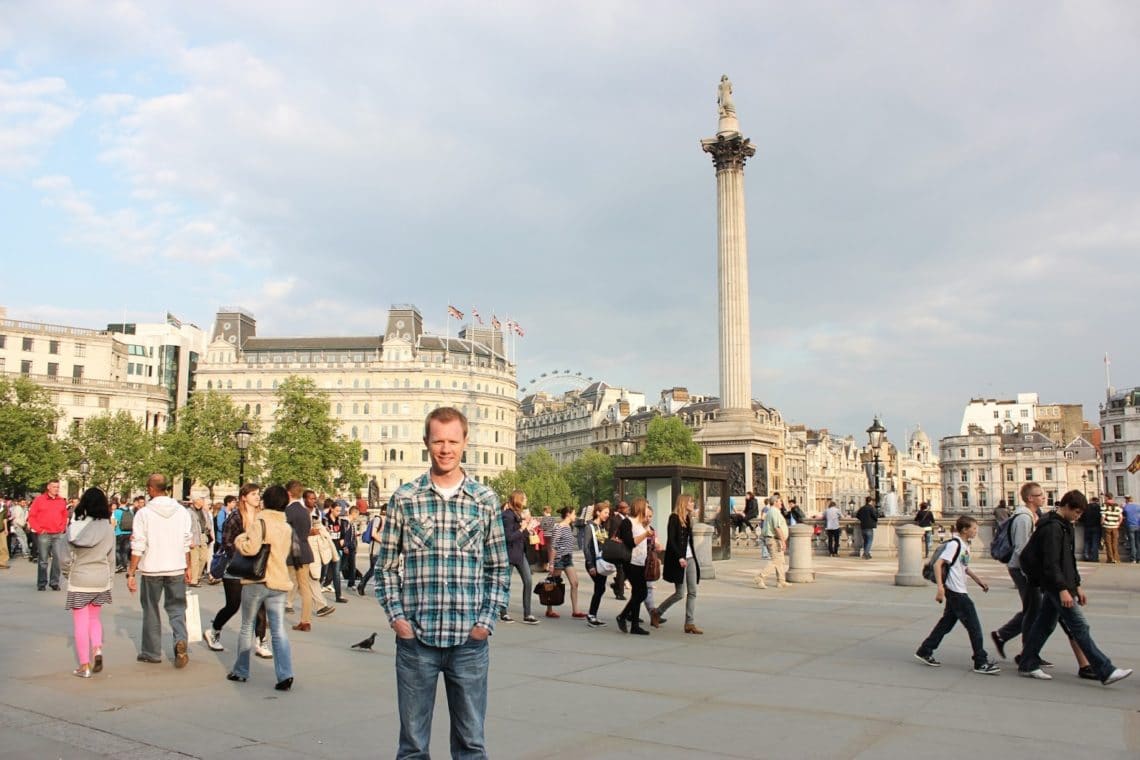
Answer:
(800, 568)
(910, 556)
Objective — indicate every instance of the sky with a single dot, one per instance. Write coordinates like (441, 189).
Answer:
(944, 201)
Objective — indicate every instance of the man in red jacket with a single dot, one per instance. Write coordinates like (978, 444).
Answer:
(47, 517)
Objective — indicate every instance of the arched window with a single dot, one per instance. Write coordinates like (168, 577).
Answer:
(248, 384)
(247, 409)
(366, 407)
(355, 433)
(259, 383)
(355, 383)
(338, 409)
(364, 455)
(391, 455)
(257, 410)
(407, 382)
(356, 408)
(427, 383)
(229, 384)
(209, 385)
(274, 385)
(366, 432)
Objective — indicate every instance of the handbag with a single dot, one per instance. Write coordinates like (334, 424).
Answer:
(652, 562)
(616, 551)
(250, 568)
(600, 565)
(218, 565)
(551, 592)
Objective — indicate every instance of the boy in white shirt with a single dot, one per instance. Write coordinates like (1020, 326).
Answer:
(950, 571)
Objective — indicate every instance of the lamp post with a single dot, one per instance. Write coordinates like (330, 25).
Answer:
(242, 436)
(626, 444)
(84, 469)
(7, 483)
(875, 438)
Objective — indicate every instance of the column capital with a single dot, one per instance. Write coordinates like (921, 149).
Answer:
(728, 152)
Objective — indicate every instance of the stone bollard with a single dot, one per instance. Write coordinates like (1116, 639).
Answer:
(910, 556)
(702, 547)
(799, 554)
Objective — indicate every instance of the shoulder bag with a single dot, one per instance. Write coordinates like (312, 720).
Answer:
(652, 561)
(601, 566)
(250, 568)
(615, 550)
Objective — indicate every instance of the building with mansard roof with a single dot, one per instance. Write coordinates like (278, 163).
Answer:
(380, 387)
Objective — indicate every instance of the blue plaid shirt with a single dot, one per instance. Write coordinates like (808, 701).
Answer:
(453, 552)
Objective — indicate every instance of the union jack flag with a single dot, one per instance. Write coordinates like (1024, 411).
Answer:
(495, 323)
(454, 312)
(519, 331)
(475, 314)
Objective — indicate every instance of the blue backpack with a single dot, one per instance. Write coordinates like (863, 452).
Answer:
(928, 568)
(1001, 548)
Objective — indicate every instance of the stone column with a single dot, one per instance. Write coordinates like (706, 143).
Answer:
(702, 548)
(910, 555)
(729, 151)
(800, 554)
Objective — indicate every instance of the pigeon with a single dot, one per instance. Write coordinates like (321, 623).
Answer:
(366, 644)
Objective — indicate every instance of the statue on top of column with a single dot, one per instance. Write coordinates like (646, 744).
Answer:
(724, 97)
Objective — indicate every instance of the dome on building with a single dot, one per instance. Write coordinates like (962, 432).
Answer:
(918, 436)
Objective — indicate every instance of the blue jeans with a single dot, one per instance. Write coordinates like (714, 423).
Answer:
(524, 573)
(53, 544)
(1134, 544)
(464, 670)
(1092, 544)
(253, 595)
(959, 608)
(927, 538)
(1074, 620)
(868, 539)
(172, 590)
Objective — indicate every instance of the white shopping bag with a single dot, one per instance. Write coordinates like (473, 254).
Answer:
(193, 618)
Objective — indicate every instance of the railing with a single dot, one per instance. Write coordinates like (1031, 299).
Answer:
(84, 382)
(48, 329)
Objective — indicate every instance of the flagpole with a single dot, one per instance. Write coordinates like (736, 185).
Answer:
(1107, 380)
(471, 334)
(447, 336)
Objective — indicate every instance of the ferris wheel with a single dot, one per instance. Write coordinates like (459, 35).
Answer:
(559, 380)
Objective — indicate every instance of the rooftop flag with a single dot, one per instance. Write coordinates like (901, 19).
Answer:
(454, 312)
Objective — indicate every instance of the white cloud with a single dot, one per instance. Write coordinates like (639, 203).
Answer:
(33, 113)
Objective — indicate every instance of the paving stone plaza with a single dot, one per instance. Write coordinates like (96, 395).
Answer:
(821, 670)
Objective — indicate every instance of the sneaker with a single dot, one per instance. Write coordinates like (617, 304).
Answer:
(326, 610)
(1039, 674)
(262, 651)
(1087, 673)
(987, 668)
(759, 581)
(327, 589)
(595, 623)
(148, 659)
(530, 620)
(214, 640)
(505, 618)
(999, 645)
(928, 659)
(1117, 675)
(181, 658)
(1042, 662)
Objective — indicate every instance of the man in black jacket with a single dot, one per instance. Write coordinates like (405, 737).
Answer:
(1049, 560)
(868, 519)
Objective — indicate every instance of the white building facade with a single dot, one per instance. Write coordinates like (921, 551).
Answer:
(1120, 443)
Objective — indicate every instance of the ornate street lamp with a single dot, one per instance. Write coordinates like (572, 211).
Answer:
(242, 436)
(626, 445)
(875, 435)
(84, 469)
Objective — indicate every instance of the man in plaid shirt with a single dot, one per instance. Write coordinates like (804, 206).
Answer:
(445, 531)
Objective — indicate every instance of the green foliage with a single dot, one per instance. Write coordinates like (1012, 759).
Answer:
(201, 445)
(540, 478)
(591, 477)
(668, 441)
(120, 452)
(27, 436)
(305, 444)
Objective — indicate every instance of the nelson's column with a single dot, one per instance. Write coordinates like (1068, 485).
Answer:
(737, 439)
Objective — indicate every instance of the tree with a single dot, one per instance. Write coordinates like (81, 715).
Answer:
(668, 441)
(540, 478)
(27, 435)
(119, 450)
(591, 476)
(201, 446)
(305, 444)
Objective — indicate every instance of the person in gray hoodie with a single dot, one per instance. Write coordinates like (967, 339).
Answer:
(160, 552)
(89, 565)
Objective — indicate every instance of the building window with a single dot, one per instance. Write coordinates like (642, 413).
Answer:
(982, 502)
(1009, 474)
(338, 410)
(53, 369)
(1116, 432)
(962, 453)
(209, 385)
(257, 410)
(423, 455)
(1048, 473)
(3, 341)
(81, 349)
(1025, 414)
(356, 408)
(1028, 473)
(965, 499)
(77, 372)
(982, 477)
(366, 407)
(53, 346)
(1119, 484)
(364, 455)
(1050, 498)
(1118, 456)
(25, 367)
(29, 344)
(981, 453)
(965, 476)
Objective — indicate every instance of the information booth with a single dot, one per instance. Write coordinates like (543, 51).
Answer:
(661, 484)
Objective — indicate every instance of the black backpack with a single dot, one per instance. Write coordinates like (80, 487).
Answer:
(1030, 559)
(127, 520)
(928, 568)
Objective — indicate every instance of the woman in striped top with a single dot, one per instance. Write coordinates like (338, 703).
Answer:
(89, 566)
(562, 547)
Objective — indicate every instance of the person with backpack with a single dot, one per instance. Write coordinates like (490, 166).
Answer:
(124, 520)
(925, 520)
(950, 572)
(371, 536)
(1049, 561)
